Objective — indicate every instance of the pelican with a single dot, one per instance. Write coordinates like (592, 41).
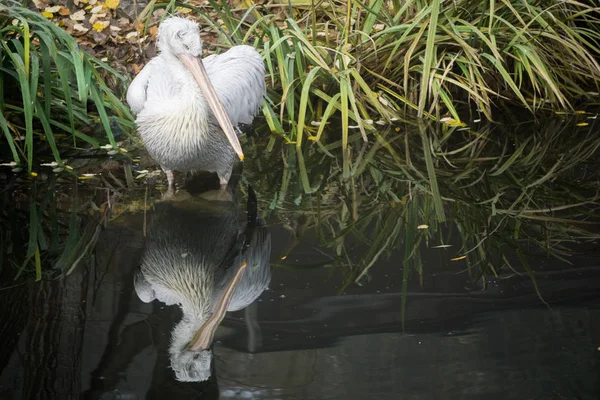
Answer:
(186, 107)
(197, 255)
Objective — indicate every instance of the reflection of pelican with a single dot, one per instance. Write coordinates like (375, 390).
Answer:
(198, 256)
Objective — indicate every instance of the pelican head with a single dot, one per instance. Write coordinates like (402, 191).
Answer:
(181, 37)
(187, 364)
(190, 349)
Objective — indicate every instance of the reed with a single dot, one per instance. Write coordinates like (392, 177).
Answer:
(52, 93)
(365, 61)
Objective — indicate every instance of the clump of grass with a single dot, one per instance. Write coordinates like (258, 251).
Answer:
(372, 60)
(51, 92)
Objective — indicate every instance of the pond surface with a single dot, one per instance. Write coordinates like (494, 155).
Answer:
(381, 282)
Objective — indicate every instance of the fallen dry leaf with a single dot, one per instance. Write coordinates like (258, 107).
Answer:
(96, 17)
(64, 11)
(47, 14)
(80, 28)
(112, 4)
(78, 16)
(96, 9)
(52, 9)
(153, 31)
(100, 26)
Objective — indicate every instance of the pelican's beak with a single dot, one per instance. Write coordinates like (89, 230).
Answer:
(204, 336)
(195, 66)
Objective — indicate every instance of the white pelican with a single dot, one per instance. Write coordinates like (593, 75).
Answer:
(197, 255)
(186, 107)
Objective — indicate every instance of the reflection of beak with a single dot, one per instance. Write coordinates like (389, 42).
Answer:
(204, 336)
(195, 66)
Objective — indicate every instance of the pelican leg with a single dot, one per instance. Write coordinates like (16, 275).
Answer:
(171, 180)
(223, 183)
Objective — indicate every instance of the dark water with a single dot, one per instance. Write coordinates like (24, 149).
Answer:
(416, 325)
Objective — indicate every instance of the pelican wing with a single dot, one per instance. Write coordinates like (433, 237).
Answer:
(136, 93)
(257, 276)
(238, 76)
(142, 287)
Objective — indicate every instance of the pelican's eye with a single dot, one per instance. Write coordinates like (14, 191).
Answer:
(185, 46)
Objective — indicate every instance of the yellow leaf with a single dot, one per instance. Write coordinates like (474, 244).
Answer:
(458, 258)
(452, 122)
(112, 4)
(47, 14)
(582, 124)
(34, 174)
(100, 26)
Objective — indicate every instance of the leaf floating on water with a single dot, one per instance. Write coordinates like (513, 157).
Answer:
(458, 258)
(423, 226)
(452, 122)
(583, 124)
(441, 246)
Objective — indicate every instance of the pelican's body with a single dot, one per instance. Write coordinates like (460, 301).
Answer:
(191, 257)
(174, 113)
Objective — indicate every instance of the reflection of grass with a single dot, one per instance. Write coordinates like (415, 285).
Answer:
(51, 225)
(531, 188)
